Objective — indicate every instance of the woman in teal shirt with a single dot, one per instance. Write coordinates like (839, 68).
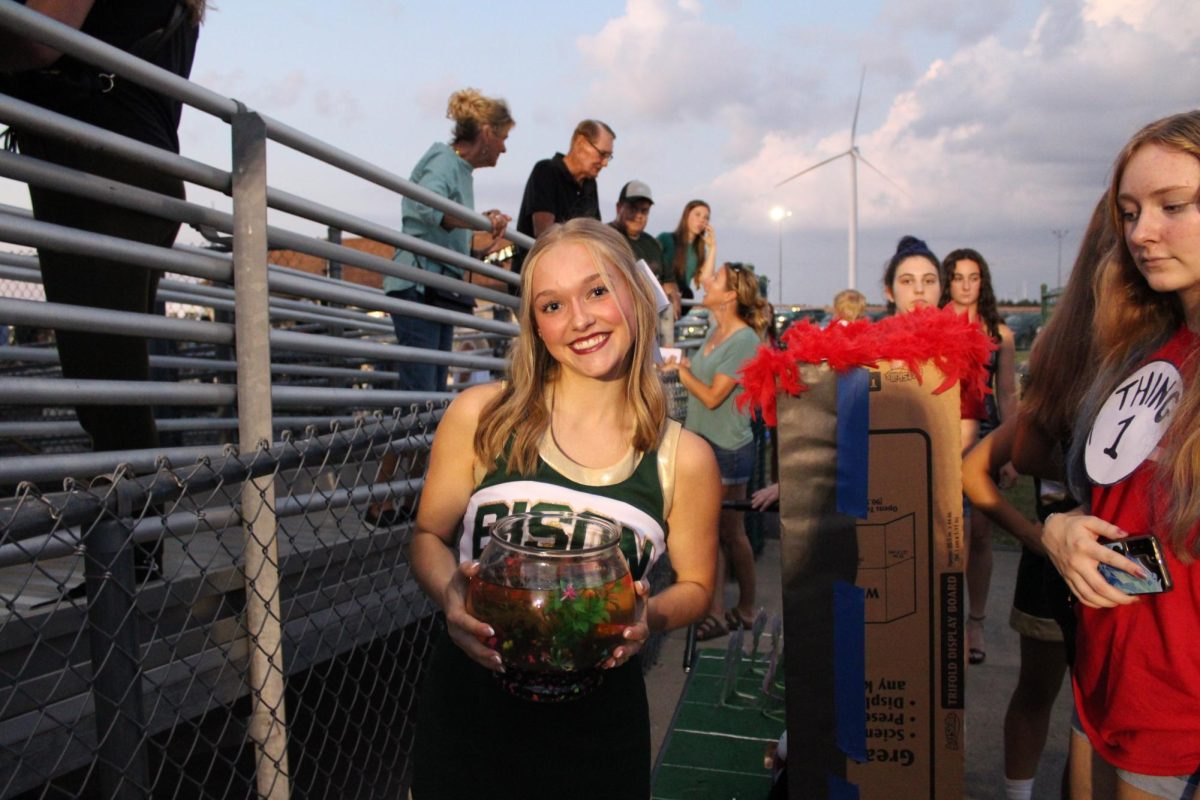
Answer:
(740, 318)
(481, 127)
(689, 252)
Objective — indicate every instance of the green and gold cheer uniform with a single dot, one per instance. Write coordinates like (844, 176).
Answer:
(475, 740)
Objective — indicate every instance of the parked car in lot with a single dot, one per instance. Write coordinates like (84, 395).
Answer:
(1025, 326)
(692, 325)
(786, 315)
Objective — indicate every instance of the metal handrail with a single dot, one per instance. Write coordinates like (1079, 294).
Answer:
(130, 323)
(79, 45)
(49, 391)
(28, 116)
(69, 427)
(281, 279)
(51, 176)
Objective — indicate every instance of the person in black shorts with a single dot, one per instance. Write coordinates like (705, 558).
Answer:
(1033, 442)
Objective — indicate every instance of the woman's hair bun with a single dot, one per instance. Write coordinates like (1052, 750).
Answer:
(911, 245)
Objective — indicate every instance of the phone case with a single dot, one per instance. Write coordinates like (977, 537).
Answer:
(1147, 552)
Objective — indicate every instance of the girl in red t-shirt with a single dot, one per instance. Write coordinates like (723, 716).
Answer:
(1136, 455)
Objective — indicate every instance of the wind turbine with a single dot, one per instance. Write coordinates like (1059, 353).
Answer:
(855, 156)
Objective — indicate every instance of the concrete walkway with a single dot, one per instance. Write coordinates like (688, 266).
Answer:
(989, 685)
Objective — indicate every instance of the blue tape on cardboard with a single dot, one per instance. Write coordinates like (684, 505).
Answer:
(841, 789)
(850, 669)
(853, 424)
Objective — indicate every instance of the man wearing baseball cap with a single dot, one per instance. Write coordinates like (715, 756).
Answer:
(633, 212)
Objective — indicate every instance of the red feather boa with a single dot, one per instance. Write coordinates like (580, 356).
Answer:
(958, 347)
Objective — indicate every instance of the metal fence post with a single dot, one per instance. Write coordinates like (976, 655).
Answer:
(268, 721)
(334, 268)
(122, 770)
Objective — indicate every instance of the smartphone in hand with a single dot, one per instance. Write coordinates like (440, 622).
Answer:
(1147, 552)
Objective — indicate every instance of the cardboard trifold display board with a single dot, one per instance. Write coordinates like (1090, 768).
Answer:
(872, 549)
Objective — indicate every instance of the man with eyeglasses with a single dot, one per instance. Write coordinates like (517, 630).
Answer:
(564, 187)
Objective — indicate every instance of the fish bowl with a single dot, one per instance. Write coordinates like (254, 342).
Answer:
(557, 592)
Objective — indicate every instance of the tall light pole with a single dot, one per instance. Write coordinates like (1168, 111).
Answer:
(779, 214)
(1059, 234)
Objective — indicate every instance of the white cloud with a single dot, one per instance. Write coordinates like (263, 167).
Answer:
(995, 143)
(1175, 21)
(662, 62)
(270, 96)
(342, 105)
(1131, 12)
(966, 21)
(990, 134)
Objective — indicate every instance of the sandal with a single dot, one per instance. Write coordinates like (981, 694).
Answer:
(734, 620)
(976, 655)
(710, 628)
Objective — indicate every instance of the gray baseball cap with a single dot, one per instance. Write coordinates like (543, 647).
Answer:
(635, 190)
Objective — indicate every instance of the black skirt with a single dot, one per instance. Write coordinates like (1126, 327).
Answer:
(475, 740)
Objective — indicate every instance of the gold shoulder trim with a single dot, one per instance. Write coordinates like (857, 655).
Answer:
(600, 476)
(666, 462)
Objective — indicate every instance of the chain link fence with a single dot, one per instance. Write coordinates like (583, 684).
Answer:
(134, 607)
(128, 650)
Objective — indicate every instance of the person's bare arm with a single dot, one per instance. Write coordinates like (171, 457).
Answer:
(969, 433)
(448, 484)
(671, 289)
(710, 395)
(19, 53)
(498, 219)
(693, 543)
(710, 255)
(1036, 453)
(978, 467)
(1006, 375)
(541, 221)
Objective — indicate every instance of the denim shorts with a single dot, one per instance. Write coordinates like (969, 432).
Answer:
(735, 465)
(1170, 787)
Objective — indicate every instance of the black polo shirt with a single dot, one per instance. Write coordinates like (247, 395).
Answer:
(553, 190)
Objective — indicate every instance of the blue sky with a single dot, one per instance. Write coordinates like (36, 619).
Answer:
(999, 119)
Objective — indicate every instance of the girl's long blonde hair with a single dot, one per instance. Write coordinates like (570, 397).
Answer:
(520, 412)
(1132, 321)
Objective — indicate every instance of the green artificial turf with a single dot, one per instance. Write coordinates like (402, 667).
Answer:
(718, 750)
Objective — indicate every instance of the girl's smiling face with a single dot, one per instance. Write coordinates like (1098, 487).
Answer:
(583, 313)
(916, 284)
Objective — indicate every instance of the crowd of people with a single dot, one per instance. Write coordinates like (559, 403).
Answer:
(1108, 424)
(585, 364)
(1106, 583)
